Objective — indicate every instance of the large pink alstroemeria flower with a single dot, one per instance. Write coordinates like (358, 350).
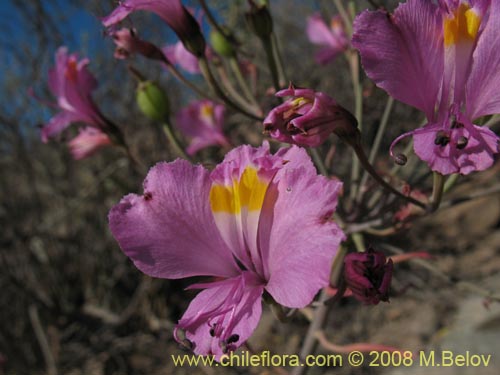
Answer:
(202, 123)
(172, 12)
(258, 222)
(72, 85)
(443, 59)
(332, 39)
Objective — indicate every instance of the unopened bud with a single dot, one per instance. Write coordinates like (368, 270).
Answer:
(152, 101)
(259, 19)
(220, 44)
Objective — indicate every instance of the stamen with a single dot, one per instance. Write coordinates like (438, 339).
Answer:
(462, 142)
(400, 159)
(442, 139)
(233, 338)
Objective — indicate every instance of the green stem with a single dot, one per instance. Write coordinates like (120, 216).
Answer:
(209, 77)
(235, 67)
(450, 181)
(363, 159)
(271, 61)
(358, 113)
(376, 143)
(279, 59)
(174, 142)
(437, 191)
(318, 161)
(345, 16)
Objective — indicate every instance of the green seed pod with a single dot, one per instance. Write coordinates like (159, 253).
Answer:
(152, 101)
(220, 44)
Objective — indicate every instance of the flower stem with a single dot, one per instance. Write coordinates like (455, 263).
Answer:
(174, 142)
(437, 191)
(209, 77)
(376, 143)
(235, 67)
(318, 161)
(345, 16)
(358, 150)
(358, 113)
(271, 61)
(320, 313)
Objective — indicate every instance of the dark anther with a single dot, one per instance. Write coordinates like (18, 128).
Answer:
(233, 338)
(442, 139)
(400, 159)
(148, 196)
(456, 125)
(462, 142)
(212, 332)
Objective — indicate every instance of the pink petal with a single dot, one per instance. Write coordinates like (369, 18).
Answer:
(318, 31)
(201, 127)
(302, 241)
(482, 93)
(88, 142)
(403, 53)
(58, 123)
(228, 308)
(169, 232)
(478, 155)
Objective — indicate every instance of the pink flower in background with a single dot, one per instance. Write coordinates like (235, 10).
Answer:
(172, 12)
(332, 38)
(443, 59)
(72, 85)
(87, 142)
(368, 275)
(307, 118)
(177, 54)
(257, 222)
(202, 123)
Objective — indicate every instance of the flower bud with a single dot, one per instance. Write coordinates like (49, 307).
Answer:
(308, 118)
(368, 275)
(152, 101)
(221, 44)
(259, 19)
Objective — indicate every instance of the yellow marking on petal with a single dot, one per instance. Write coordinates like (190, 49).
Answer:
(249, 192)
(463, 26)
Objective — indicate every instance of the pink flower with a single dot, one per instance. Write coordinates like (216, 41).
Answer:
(443, 59)
(202, 123)
(172, 12)
(332, 38)
(257, 222)
(308, 118)
(178, 54)
(87, 142)
(128, 43)
(368, 275)
(72, 84)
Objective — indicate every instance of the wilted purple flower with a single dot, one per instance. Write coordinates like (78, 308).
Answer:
(87, 142)
(177, 54)
(333, 38)
(128, 43)
(172, 12)
(72, 85)
(258, 222)
(368, 275)
(443, 59)
(307, 118)
(202, 123)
